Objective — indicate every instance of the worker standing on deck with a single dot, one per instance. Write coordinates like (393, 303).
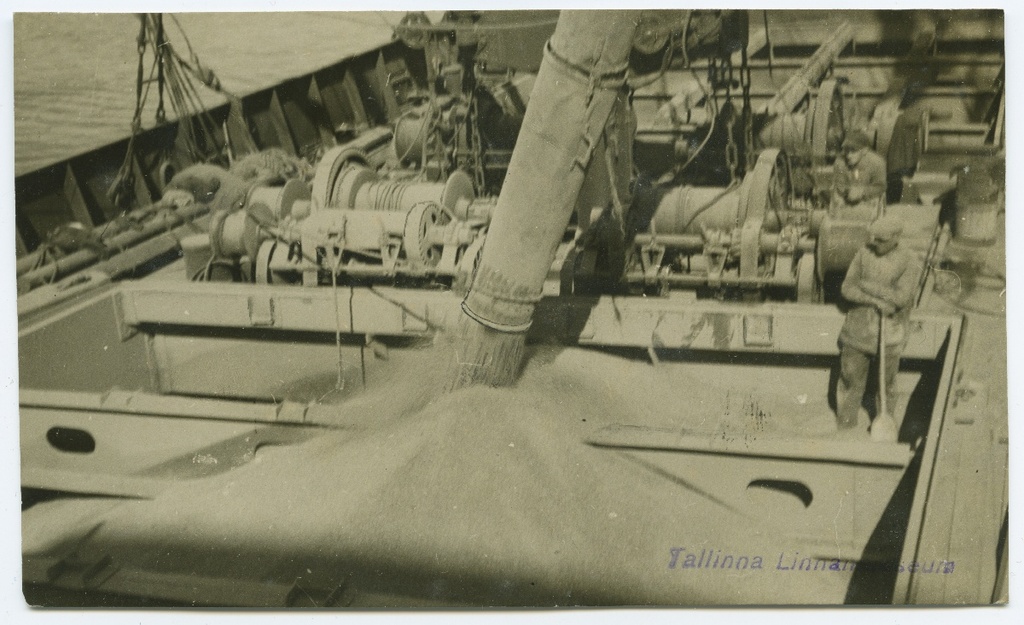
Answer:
(861, 172)
(882, 278)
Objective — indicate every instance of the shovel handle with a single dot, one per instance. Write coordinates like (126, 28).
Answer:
(884, 409)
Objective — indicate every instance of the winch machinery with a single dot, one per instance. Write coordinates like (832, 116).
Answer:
(414, 201)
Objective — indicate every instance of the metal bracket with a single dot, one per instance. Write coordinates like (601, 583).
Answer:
(716, 265)
(261, 310)
(389, 251)
(125, 317)
(757, 330)
(750, 251)
(651, 257)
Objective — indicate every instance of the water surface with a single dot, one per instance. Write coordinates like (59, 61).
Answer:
(74, 73)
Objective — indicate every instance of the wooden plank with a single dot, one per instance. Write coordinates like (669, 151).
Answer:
(967, 537)
(964, 520)
(932, 499)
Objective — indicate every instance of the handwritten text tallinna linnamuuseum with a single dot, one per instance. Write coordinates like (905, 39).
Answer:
(682, 559)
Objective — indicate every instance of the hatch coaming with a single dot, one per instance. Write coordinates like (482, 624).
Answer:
(212, 377)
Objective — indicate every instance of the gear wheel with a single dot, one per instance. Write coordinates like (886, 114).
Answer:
(419, 250)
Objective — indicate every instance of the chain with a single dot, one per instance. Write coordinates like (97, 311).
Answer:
(141, 47)
(713, 78)
(168, 71)
(161, 114)
(728, 78)
(748, 114)
(121, 191)
(476, 143)
(732, 156)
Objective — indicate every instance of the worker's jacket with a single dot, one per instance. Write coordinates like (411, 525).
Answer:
(869, 173)
(897, 270)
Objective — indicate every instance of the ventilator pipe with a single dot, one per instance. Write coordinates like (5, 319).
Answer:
(579, 85)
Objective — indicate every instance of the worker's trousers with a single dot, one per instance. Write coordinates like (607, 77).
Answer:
(854, 368)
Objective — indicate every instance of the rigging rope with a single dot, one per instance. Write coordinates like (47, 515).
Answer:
(175, 77)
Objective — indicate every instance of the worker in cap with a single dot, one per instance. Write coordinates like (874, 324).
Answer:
(886, 228)
(861, 173)
(882, 280)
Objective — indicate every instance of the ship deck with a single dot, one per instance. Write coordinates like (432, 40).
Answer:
(222, 443)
